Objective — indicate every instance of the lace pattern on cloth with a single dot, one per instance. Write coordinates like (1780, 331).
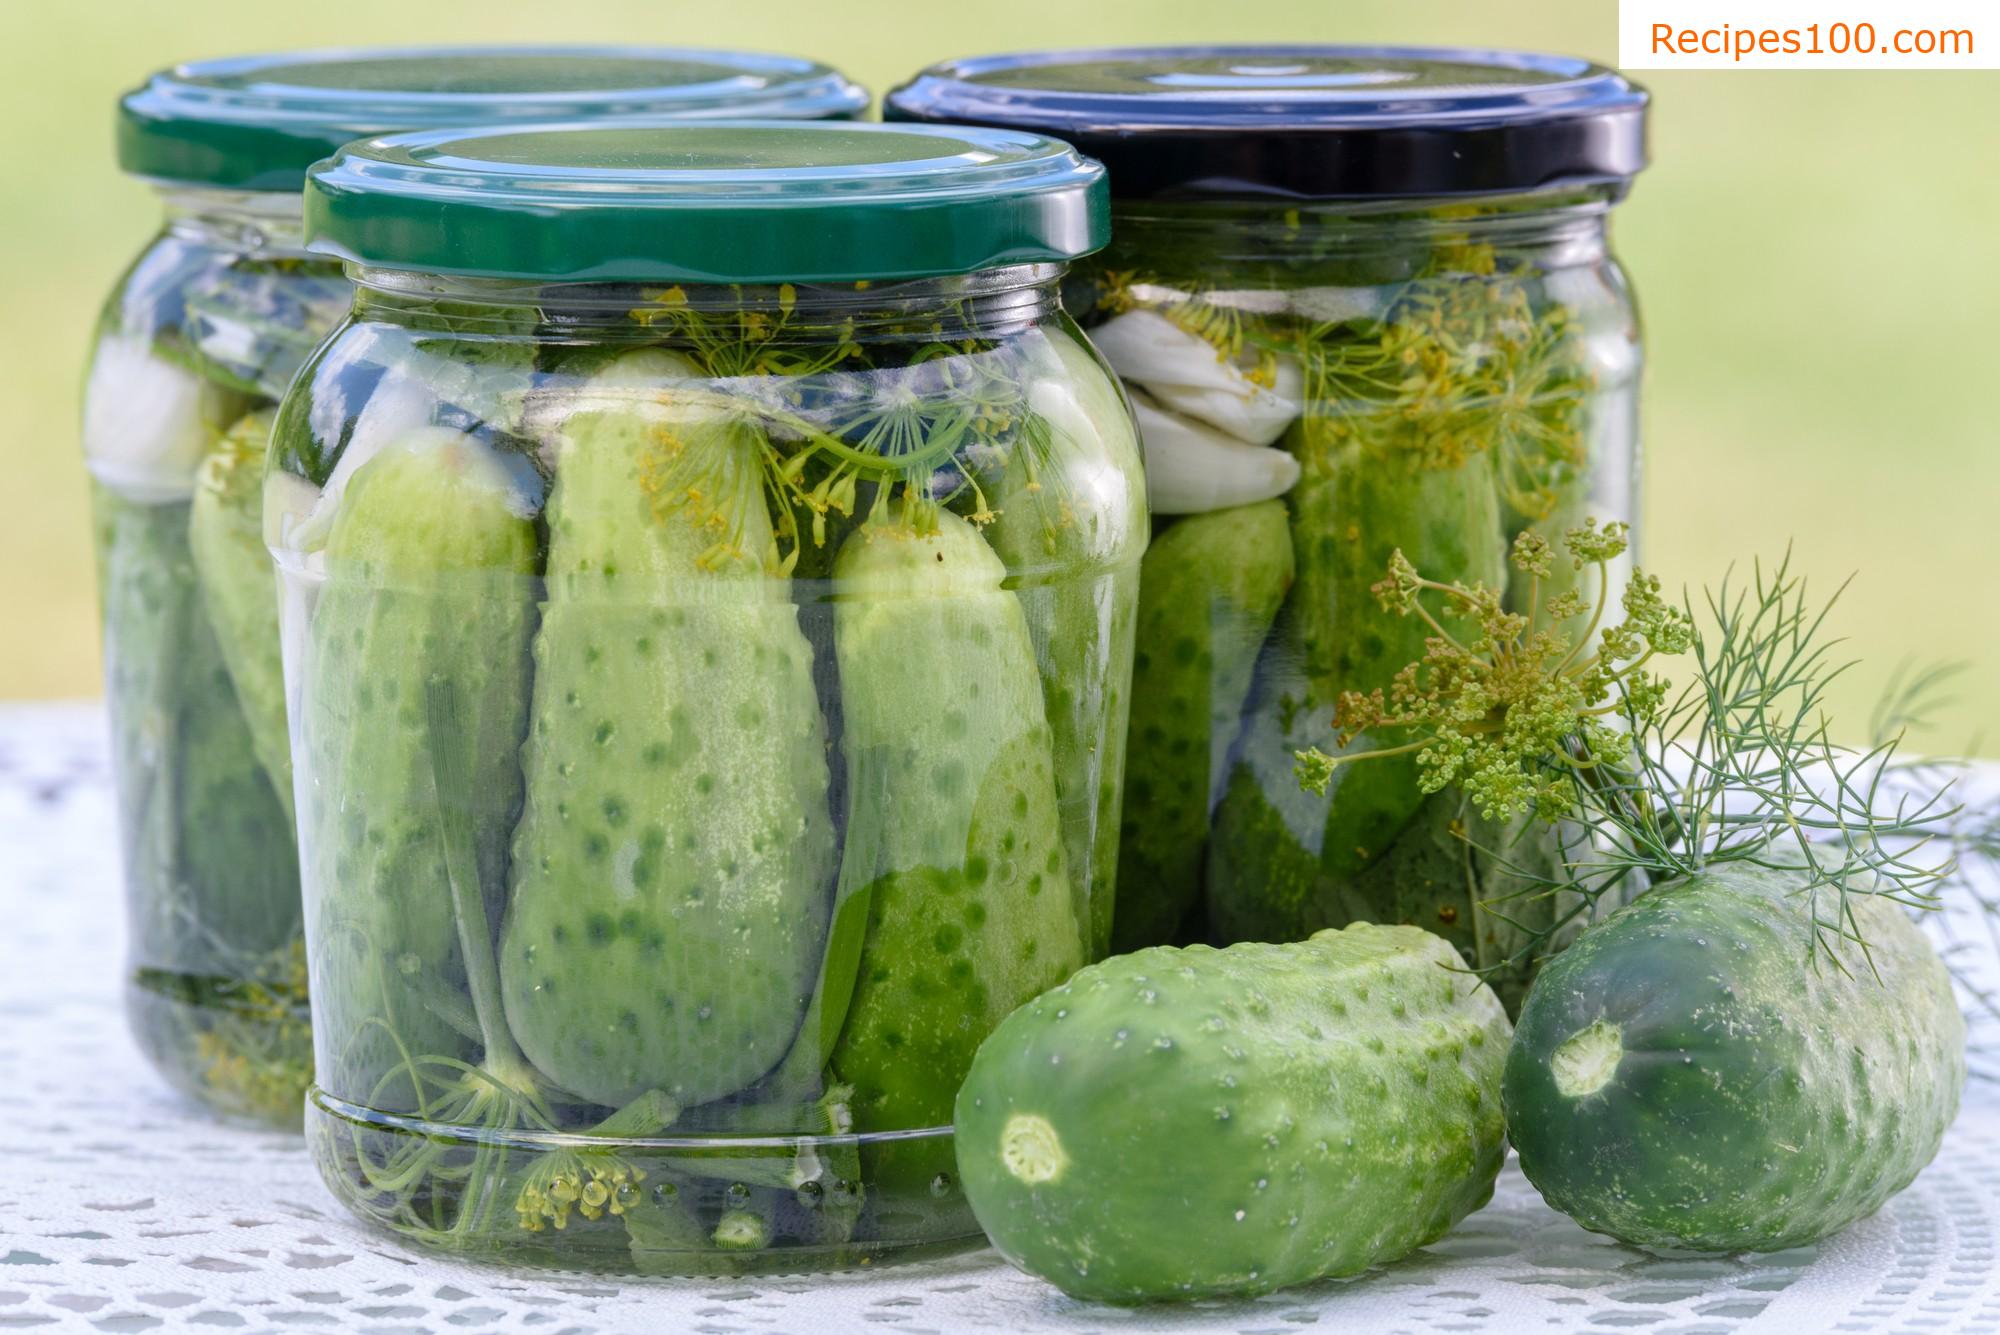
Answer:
(122, 1209)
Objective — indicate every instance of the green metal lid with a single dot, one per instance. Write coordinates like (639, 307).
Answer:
(708, 202)
(257, 122)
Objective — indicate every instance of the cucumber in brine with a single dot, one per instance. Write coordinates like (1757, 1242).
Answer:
(674, 861)
(1209, 588)
(1355, 508)
(207, 844)
(226, 535)
(1071, 527)
(1358, 503)
(428, 562)
(954, 841)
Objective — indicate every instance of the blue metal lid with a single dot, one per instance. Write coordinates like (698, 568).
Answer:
(257, 122)
(1305, 122)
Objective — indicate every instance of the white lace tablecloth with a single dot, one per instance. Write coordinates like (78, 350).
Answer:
(123, 1210)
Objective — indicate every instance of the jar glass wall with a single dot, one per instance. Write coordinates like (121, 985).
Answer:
(707, 702)
(195, 347)
(196, 344)
(1364, 304)
(1319, 388)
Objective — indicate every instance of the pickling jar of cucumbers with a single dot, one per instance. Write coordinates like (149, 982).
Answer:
(709, 560)
(1364, 303)
(193, 351)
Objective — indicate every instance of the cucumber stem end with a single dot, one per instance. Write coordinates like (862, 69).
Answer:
(1587, 1059)
(1031, 1149)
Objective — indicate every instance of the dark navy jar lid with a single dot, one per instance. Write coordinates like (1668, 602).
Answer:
(1305, 122)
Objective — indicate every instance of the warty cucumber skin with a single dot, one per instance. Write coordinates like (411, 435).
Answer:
(226, 536)
(428, 563)
(1209, 588)
(1748, 1100)
(1183, 1123)
(675, 854)
(953, 831)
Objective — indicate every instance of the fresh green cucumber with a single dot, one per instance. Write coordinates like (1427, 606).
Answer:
(428, 563)
(674, 858)
(226, 535)
(1071, 527)
(1691, 1073)
(1209, 588)
(954, 839)
(1180, 1123)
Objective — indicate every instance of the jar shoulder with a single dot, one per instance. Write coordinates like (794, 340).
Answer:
(1017, 426)
(241, 320)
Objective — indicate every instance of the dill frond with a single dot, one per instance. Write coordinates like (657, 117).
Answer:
(1654, 782)
(847, 420)
(1968, 917)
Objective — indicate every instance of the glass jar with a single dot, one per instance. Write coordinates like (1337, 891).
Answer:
(193, 351)
(1364, 303)
(708, 561)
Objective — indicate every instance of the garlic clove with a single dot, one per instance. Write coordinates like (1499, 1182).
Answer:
(1191, 467)
(1186, 373)
(147, 422)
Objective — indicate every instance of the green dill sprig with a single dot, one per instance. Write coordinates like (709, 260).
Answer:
(1517, 714)
(844, 423)
(1741, 766)
(1653, 782)
(747, 337)
(1968, 922)
(1970, 955)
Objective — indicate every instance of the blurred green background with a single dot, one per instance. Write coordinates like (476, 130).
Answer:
(1813, 254)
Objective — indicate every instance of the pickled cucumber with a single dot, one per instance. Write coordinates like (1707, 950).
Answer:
(208, 847)
(1198, 1122)
(216, 996)
(954, 838)
(1209, 588)
(226, 535)
(672, 864)
(1073, 555)
(426, 592)
(1355, 507)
